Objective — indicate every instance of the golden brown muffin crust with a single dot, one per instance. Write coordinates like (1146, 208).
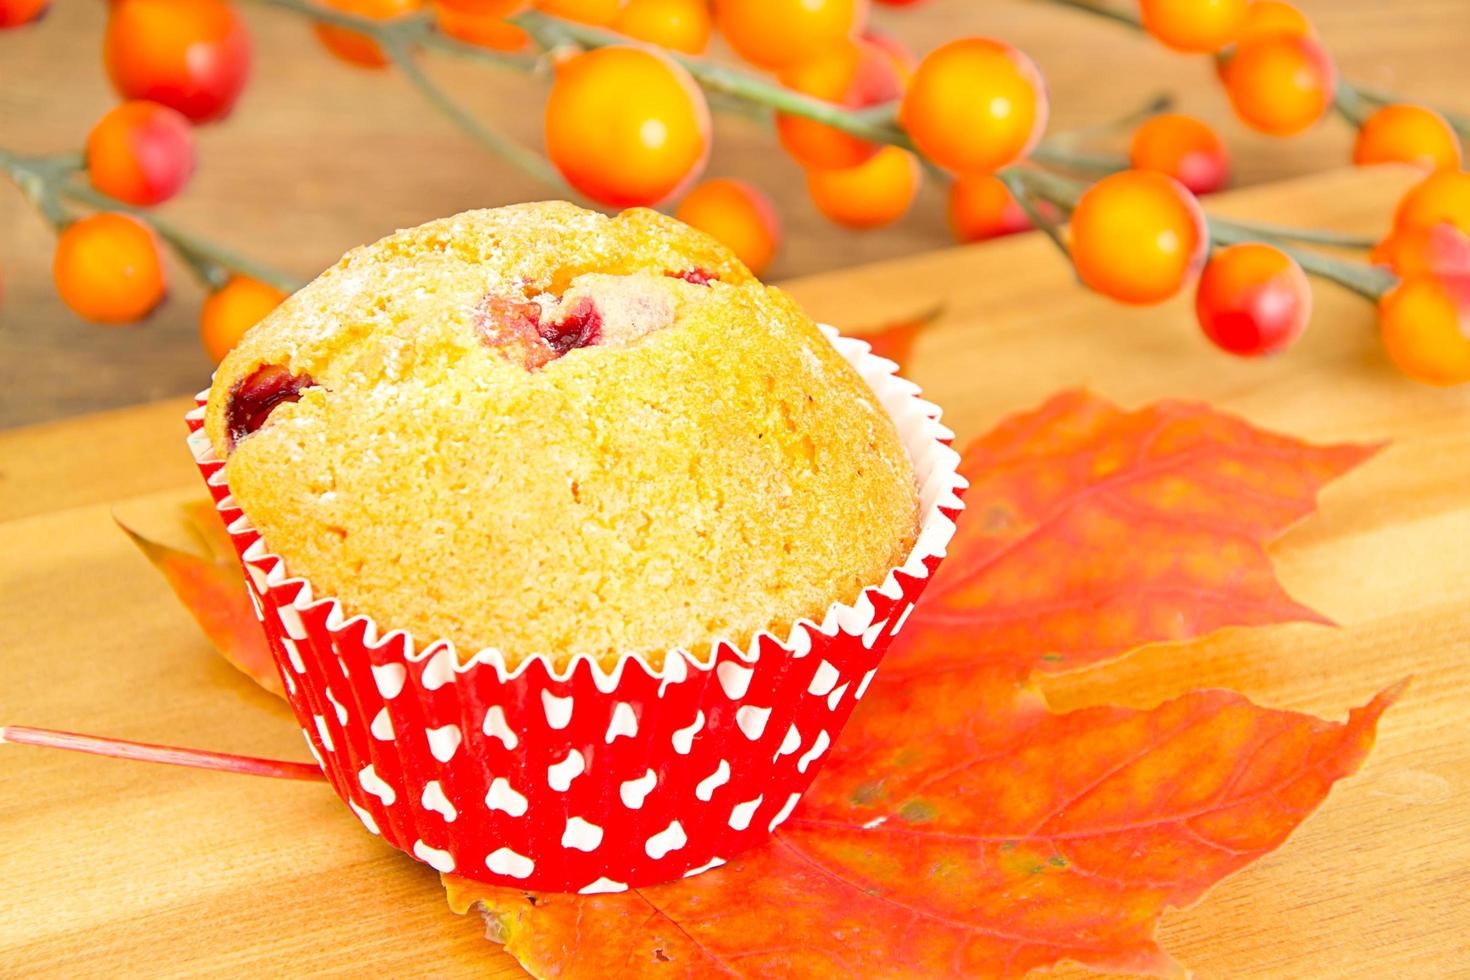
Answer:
(707, 468)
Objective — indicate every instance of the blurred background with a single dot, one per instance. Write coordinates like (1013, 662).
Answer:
(319, 156)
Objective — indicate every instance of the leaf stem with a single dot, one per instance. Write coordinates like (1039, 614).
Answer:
(118, 748)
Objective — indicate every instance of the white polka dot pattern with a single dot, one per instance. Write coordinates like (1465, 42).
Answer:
(434, 800)
(635, 791)
(559, 775)
(578, 780)
(444, 741)
(581, 834)
(671, 838)
(502, 797)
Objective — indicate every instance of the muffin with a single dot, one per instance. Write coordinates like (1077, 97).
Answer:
(550, 432)
(574, 542)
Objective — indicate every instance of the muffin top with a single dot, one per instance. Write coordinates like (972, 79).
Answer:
(547, 431)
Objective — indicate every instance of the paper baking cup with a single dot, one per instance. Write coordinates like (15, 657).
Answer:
(576, 779)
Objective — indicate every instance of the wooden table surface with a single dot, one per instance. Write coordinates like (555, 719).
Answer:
(114, 868)
(319, 157)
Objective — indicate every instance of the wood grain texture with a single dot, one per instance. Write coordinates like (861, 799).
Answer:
(114, 868)
(319, 157)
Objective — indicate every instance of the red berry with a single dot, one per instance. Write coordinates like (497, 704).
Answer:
(140, 152)
(15, 13)
(1253, 299)
(190, 55)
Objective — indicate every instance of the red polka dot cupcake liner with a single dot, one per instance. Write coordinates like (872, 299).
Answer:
(576, 779)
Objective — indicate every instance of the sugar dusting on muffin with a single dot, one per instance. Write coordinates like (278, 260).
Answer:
(552, 432)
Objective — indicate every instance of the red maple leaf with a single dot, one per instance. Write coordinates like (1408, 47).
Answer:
(962, 828)
(1091, 531)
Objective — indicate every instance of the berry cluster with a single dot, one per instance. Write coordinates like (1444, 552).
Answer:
(627, 122)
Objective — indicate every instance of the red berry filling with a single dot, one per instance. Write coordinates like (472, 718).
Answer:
(256, 396)
(521, 329)
(581, 327)
(700, 277)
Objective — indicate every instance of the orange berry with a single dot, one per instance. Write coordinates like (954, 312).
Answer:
(776, 33)
(1441, 198)
(485, 30)
(233, 309)
(1280, 85)
(1137, 236)
(981, 206)
(140, 152)
(1440, 249)
(903, 59)
(14, 13)
(1253, 299)
(683, 25)
(1425, 325)
(596, 12)
(736, 214)
(975, 105)
(1270, 18)
(1184, 148)
(1197, 26)
(1407, 134)
(190, 55)
(626, 126)
(869, 195)
(107, 268)
(855, 74)
(355, 47)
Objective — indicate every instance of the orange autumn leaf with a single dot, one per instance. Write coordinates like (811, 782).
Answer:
(895, 340)
(212, 590)
(960, 829)
(1091, 531)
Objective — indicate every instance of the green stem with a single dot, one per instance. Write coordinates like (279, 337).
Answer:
(1017, 186)
(1365, 280)
(876, 125)
(1350, 104)
(1376, 98)
(1368, 281)
(1352, 101)
(212, 263)
(397, 37)
(527, 161)
(199, 252)
(1079, 161)
(1108, 13)
(1307, 236)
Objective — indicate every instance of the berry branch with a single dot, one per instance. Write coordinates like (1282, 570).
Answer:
(627, 122)
(46, 180)
(1354, 102)
(877, 125)
(397, 37)
(1370, 282)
